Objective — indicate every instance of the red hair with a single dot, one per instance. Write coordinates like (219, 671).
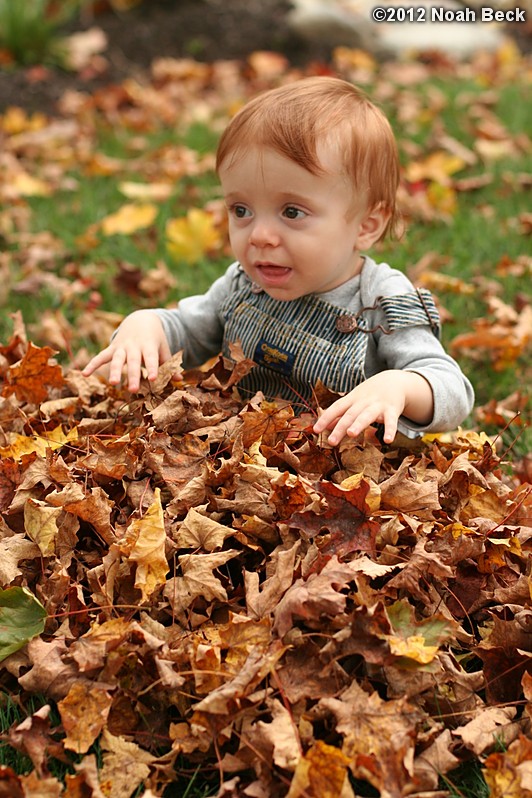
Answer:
(296, 118)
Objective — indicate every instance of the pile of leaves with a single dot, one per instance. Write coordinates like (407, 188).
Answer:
(197, 581)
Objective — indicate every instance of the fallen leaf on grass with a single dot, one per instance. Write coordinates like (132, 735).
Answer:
(191, 237)
(129, 218)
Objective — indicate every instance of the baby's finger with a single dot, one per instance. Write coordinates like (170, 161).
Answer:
(98, 360)
(329, 417)
(151, 361)
(351, 423)
(117, 364)
(390, 425)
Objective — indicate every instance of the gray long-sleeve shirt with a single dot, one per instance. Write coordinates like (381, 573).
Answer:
(198, 324)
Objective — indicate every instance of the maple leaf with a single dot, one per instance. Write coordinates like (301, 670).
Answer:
(125, 764)
(146, 191)
(40, 522)
(417, 641)
(345, 519)
(198, 580)
(84, 712)
(411, 489)
(321, 773)
(32, 737)
(94, 507)
(22, 445)
(198, 531)
(378, 737)
(14, 549)
(191, 237)
(32, 378)
(278, 737)
(144, 544)
(437, 167)
(509, 774)
(314, 597)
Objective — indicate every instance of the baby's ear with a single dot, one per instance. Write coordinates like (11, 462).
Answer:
(372, 227)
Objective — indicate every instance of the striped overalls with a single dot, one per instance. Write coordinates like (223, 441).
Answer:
(295, 343)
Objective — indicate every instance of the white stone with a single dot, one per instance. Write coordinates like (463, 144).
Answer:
(332, 23)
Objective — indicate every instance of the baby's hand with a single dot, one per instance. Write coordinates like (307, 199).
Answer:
(140, 339)
(380, 399)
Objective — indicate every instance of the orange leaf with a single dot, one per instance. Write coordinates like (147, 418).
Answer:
(31, 378)
(84, 714)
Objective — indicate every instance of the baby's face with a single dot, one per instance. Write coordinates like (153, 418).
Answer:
(293, 232)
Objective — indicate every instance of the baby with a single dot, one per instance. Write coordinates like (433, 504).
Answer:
(309, 172)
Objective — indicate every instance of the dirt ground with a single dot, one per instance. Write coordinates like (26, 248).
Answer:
(206, 30)
(203, 29)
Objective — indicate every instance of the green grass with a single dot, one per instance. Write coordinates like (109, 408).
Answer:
(14, 710)
(29, 29)
(466, 781)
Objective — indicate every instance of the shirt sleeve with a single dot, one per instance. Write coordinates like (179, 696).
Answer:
(416, 348)
(195, 325)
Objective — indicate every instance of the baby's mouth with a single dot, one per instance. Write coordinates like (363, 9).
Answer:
(271, 272)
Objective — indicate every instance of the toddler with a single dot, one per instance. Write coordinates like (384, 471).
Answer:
(309, 173)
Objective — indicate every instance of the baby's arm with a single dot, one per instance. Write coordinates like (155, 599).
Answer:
(379, 399)
(150, 337)
(140, 340)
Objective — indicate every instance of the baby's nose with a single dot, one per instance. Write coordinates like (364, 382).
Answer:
(263, 233)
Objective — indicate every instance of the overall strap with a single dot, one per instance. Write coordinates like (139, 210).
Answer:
(411, 310)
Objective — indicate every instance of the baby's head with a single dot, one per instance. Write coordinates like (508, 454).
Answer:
(299, 118)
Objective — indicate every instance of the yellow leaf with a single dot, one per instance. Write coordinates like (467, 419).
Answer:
(145, 544)
(373, 496)
(24, 185)
(437, 167)
(192, 236)
(22, 444)
(146, 191)
(129, 218)
(321, 772)
(15, 120)
(40, 524)
(352, 58)
(413, 647)
(443, 198)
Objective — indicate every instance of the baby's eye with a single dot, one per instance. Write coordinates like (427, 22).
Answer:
(240, 211)
(291, 212)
